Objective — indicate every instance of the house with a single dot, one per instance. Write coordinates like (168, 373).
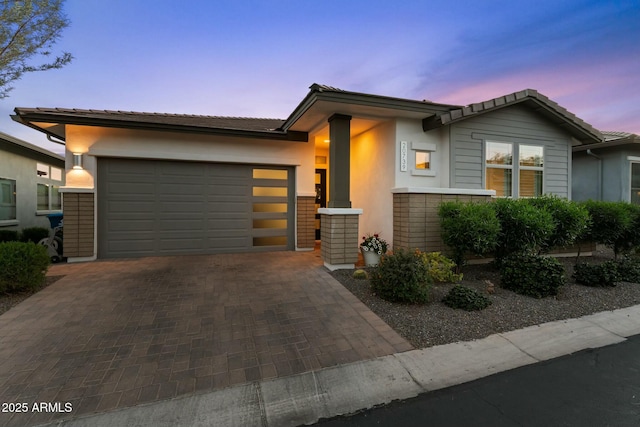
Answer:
(30, 182)
(342, 164)
(609, 170)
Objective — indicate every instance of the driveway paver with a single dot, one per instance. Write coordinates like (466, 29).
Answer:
(115, 334)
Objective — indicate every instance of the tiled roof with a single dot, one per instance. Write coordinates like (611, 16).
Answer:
(216, 122)
(612, 135)
(527, 95)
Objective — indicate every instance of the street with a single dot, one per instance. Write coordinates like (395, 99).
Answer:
(595, 387)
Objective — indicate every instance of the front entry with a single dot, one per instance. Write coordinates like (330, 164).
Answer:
(321, 196)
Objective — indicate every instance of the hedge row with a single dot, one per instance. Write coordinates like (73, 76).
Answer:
(31, 234)
(537, 225)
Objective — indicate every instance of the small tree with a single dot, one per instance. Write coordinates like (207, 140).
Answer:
(29, 28)
(609, 223)
(468, 228)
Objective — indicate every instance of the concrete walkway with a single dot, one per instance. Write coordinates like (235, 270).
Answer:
(118, 334)
(307, 397)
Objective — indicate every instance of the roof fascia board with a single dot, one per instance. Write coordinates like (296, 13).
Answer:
(607, 144)
(363, 99)
(67, 119)
(28, 147)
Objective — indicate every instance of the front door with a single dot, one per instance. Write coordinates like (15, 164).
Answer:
(321, 196)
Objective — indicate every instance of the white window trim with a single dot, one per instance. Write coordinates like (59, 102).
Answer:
(423, 147)
(632, 160)
(7, 222)
(515, 166)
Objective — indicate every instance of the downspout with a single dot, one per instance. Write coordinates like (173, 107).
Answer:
(589, 152)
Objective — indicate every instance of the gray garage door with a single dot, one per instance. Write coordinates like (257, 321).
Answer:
(157, 207)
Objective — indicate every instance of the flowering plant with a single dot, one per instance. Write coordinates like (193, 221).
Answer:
(373, 243)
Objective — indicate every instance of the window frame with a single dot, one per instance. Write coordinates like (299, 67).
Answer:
(515, 166)
(14, 203)
(53, 187)
(631, 163)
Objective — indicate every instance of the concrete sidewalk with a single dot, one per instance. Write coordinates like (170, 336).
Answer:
(305, 398)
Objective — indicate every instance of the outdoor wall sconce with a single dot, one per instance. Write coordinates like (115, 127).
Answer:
(77, 161)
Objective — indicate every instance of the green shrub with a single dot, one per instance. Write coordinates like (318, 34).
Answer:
(402, 277)
(34, 234)
(468, 228)
(22, 266)
(9, 236)
(628, 269)
(609, 223)
(524, 228)
(465, 298)
(629, 239)
(596, 275)
(570, 220)
(532, 275)
(441, 269)
(360, 274)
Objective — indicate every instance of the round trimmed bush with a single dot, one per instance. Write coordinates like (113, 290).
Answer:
(465, 298)
(532, 275)
(402, 277)
(23, 266)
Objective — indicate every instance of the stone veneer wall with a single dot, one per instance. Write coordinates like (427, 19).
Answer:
(306, 222)
(339, 235)
(78, 224)
(416, 224)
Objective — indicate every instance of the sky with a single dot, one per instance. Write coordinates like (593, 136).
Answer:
(253, 58)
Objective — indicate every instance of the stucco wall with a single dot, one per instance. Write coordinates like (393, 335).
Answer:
(372, 164)
(22, 169)
(410, 131)
(96, 142)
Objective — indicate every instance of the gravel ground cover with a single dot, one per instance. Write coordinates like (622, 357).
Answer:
(434, 323)
(9, 300)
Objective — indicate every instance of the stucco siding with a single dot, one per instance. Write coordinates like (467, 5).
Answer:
(516, 124)
(19, 165)
(372, 160)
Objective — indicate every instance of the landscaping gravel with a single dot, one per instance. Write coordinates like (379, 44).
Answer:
(434, 323)
(9, 300)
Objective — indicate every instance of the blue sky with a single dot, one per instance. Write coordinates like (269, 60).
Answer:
(258, 58)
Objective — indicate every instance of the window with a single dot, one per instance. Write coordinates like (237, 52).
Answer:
(499, 174)
(500, 169)
(422, 153)
(48, 193)
(635, 183)
(531, 169)
(7, 199)
(423, 160)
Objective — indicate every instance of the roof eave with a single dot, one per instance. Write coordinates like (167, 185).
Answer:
(30, 117)
(583, 133)
(322, 93)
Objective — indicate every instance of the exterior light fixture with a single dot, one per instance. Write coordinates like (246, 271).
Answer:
(77, 161)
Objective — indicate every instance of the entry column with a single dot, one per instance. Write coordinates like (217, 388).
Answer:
(339, 222)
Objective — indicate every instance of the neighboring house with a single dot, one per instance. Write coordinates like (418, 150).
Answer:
(609, 170)
(154, 184)
(30, 178)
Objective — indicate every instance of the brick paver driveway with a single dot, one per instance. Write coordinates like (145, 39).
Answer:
(113, 334)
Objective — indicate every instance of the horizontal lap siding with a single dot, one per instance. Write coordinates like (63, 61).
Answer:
(511, 124)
